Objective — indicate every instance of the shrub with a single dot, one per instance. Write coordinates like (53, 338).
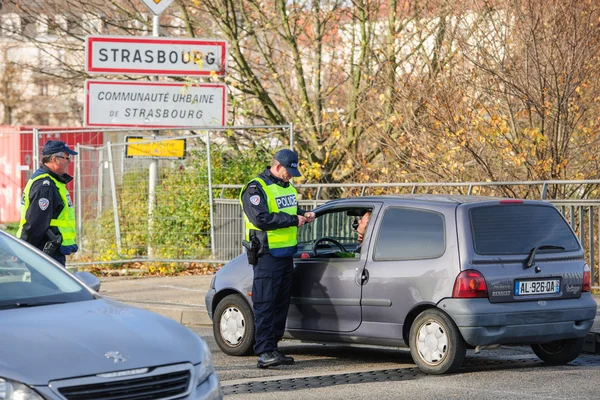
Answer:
(181, 228)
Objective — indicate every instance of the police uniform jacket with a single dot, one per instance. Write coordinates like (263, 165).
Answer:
(45, 204)
(258, 212)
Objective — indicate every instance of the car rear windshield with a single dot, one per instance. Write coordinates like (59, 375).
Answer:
(517, 229)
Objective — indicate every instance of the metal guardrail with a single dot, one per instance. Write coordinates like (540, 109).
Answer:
(471, 187)
(583, 214)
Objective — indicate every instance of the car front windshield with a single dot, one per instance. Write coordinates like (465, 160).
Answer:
(29, 279)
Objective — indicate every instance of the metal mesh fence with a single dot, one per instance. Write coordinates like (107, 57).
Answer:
(120, 220)
(15, 170)
(20, 157)
(139, 195)
(149, 199)
(190, 219)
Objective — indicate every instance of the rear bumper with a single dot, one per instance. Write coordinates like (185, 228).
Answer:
(483, 323)
(208, 300)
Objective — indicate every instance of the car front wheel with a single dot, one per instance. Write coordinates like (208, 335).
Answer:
(436, 344)
(559, 351)
(233, 326)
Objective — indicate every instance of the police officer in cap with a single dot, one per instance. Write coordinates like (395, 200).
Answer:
(272, 217)
(47, 214)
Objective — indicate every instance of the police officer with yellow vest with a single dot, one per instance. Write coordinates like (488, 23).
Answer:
(272, 216)
(47, 214)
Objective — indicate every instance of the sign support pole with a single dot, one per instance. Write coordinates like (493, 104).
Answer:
(153, 169)
(210, 196)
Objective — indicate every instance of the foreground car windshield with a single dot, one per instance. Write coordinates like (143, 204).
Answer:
(27, 279)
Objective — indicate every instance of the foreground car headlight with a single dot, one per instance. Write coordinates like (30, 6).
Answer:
(11, 390)
(206, 367)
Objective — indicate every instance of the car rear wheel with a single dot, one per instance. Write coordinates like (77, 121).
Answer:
(559, 351)
(233, 326)
(436, 344)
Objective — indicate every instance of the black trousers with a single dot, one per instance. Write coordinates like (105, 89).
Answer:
(271, 293)
(61, 258)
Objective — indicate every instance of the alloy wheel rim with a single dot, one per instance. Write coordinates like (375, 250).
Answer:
(432, 342)
(232, 326)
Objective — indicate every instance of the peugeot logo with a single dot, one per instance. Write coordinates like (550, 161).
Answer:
(116, 356)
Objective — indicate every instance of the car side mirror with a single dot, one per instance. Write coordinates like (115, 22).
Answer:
(90, 280)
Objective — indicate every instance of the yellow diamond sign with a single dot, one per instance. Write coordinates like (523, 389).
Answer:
(157, 6)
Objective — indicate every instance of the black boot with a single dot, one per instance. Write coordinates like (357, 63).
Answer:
(285, 360)
(269, 359)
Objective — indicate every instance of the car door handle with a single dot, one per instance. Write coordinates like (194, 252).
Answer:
(358, 277)
(365, 277)
(361, 277)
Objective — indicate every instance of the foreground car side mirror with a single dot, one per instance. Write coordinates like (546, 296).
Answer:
(90, 280)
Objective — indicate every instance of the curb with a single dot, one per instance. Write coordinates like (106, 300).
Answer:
(183, 315)
(180, 298)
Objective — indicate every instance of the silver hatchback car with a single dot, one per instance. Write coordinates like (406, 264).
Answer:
(61, 340)
(438, 274)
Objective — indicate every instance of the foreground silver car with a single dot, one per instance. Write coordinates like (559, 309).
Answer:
(438, 274)
(61, 340)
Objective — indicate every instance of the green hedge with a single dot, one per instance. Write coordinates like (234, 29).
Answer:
(182, 216)
(11, 228)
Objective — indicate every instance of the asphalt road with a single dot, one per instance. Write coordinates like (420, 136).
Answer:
(340, 372)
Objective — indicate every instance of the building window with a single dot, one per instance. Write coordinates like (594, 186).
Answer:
(28, 27)
(11, 24)
(42, 119)
(53, 26)
(73, 24)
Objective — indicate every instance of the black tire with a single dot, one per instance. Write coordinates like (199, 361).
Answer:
(441, 331)
(560, 351)
(233, 326)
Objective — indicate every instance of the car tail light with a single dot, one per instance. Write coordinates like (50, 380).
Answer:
(469, 284)
(587, 279)
(511, 201)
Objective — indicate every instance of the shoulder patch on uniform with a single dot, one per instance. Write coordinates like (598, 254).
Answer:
(46, 182)
(255, 199)
(43, 203)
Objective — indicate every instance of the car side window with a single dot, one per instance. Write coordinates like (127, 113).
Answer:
(407, 233)
(336, 225)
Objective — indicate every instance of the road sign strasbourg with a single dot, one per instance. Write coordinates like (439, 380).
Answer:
(155, 56)
(154, 104)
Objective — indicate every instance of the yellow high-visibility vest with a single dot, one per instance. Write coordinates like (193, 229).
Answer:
(65, 221)
(279, 199)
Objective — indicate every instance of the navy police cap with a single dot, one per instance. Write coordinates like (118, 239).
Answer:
(56, 146)
(289, 160)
